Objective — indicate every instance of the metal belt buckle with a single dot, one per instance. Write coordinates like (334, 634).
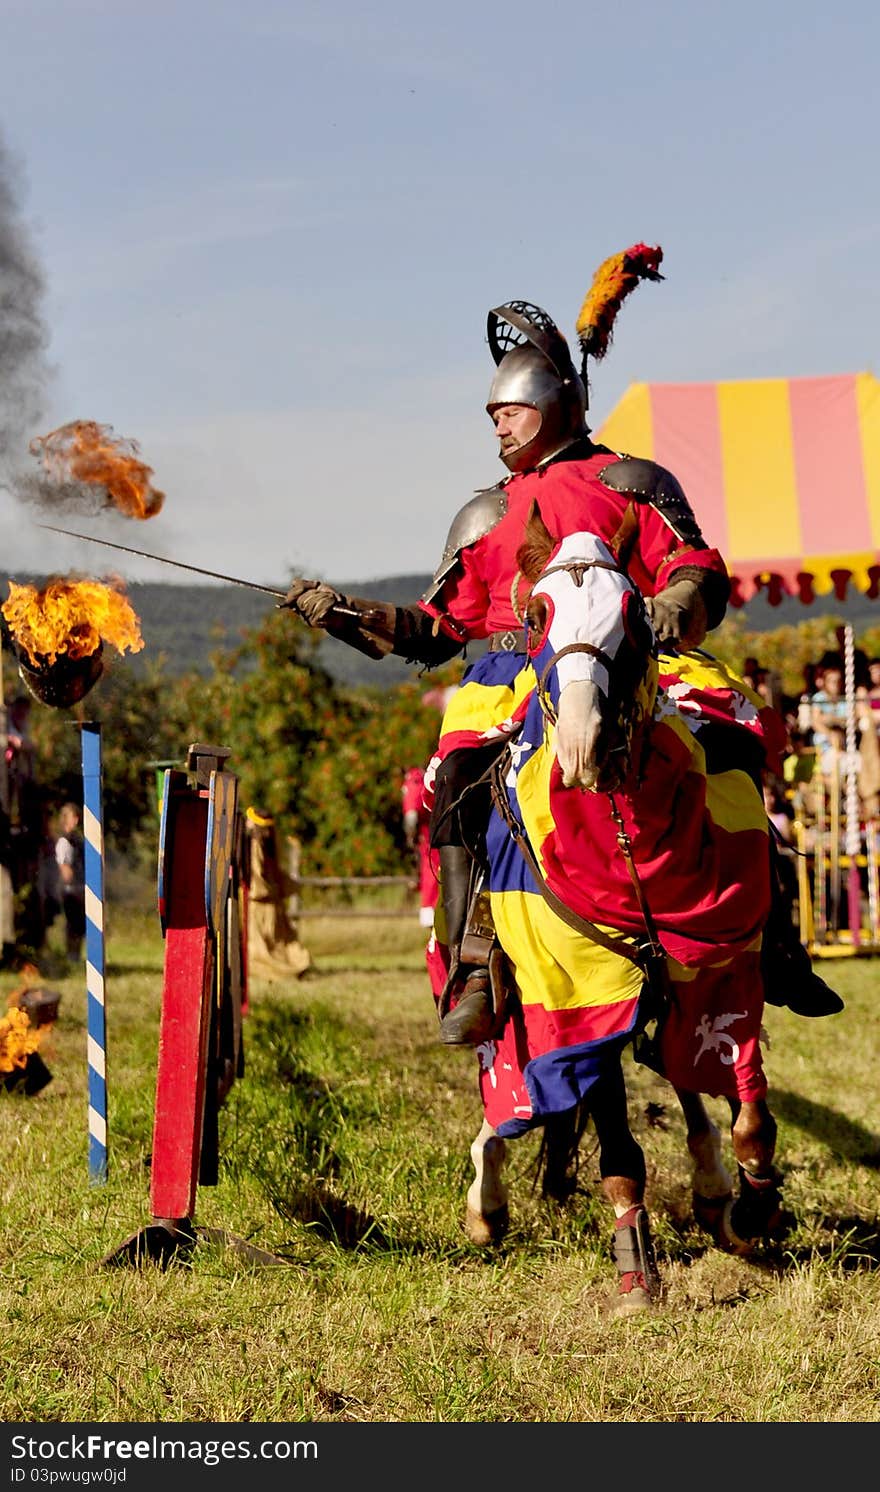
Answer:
(505, 642)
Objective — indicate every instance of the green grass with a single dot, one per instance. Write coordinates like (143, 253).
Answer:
(344, 1152)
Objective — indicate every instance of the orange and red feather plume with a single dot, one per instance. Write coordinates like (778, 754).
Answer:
(612, 283)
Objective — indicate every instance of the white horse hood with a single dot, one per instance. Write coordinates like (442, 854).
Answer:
(589, 610)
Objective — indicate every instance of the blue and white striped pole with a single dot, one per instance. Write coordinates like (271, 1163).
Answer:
(93, 832)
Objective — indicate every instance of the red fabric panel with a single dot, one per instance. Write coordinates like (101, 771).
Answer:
(828, 465)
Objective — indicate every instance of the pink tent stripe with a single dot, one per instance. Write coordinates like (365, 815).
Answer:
(687, 440)
(828, 465)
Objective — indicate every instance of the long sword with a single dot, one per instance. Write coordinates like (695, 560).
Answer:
(250, 585)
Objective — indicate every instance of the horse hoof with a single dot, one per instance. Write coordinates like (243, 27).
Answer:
(726, 1236)
(486, 1228)
(709, 1211)
(756, 1216)
(633, 1301)
(739, 1233)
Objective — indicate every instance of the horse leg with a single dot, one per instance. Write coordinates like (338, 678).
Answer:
(557, 1162)
(711, 1182)
(487, 1216)
(622, 1169)
(757, 1212)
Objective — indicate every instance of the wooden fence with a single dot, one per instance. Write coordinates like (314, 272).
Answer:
(299, 883)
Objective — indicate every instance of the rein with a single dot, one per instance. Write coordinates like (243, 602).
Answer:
(544, 699)
(654, 954)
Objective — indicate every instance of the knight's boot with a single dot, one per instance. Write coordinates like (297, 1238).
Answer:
(468, 1005)
(756, 1216)
(786, 966)
(471, 1020)
(639, 1286)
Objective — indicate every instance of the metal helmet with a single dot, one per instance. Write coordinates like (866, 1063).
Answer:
(534, 368)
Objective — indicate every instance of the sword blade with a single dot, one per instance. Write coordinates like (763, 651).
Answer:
(160, 559)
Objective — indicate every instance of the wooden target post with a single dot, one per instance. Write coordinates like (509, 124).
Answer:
(200, 1036)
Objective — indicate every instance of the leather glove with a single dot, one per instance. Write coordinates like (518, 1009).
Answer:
(311, 600)
(678, 615)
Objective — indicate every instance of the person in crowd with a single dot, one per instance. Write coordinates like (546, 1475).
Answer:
(48, 873)
(417, 833)
(70, 857)
(811, 678)
(24, 825)
(781, 816)
(828, 711)
(769, 686)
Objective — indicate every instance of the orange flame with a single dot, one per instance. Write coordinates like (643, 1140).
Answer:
(84, 451)
(18, 1038)
(70, 617)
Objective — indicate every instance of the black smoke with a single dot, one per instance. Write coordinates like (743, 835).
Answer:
(24, 338)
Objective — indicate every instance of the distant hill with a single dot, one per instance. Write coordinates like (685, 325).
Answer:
(186, 624)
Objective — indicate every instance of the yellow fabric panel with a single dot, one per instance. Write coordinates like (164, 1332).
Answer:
(533, 792)
(733, 801)
(478, 706)
(630, 427)
(820, 567)
(868, 405)
(555, 966)
(702, 671)
(760, 490)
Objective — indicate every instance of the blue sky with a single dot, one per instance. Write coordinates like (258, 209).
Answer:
(270, 234)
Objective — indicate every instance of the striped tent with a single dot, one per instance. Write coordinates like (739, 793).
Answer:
(782, 473)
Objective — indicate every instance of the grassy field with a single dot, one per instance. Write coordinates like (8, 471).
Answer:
(345, 1153)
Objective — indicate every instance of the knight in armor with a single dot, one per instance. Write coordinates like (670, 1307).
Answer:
(538, 404)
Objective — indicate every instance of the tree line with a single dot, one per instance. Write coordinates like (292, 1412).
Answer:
(325, 759)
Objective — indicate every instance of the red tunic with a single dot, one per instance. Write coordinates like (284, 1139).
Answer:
(475, 600)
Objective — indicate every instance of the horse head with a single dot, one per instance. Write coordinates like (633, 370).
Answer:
(593, 650)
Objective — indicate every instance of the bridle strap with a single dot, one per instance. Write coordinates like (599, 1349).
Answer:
(578, 567)
(657, 952)
(570, 647)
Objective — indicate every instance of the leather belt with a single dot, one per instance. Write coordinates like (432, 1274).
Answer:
(507, 642)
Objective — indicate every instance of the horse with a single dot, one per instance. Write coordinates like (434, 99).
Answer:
(628, 875)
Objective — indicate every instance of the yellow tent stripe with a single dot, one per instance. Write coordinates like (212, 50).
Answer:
(868, 405)
(630, 428)
(759, 474)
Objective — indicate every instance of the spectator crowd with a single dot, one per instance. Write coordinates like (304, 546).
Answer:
(42, 854)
